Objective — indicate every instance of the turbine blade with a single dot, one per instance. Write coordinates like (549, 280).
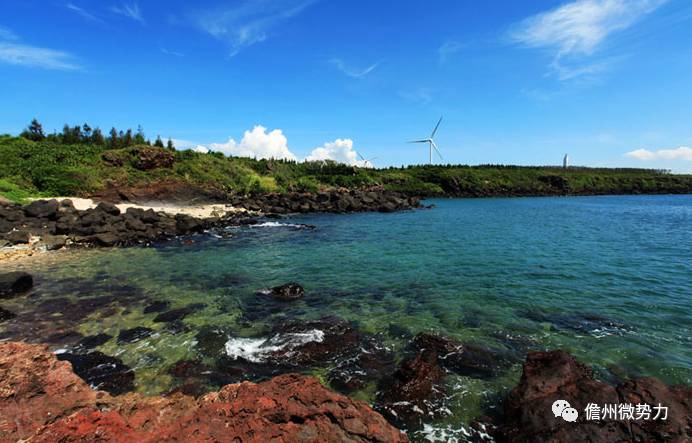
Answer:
(419, 141)
(436, 126)
(437, 150)
(361, 156)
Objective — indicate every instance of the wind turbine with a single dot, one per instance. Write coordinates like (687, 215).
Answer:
(367, 163)
(431, 142)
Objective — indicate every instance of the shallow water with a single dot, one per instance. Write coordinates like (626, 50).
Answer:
(606, 278)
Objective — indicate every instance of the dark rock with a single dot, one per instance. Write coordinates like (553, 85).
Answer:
(18, 237)
(464, 358)
(186, 223)
(178, 314)
(210, 341)
(6, 315)
(134, 334)
(188, 368)
(14, 283)
(42, 209)
(108, 208)
(156, 306)
(286, 292)
(106, 239)
(405, 397)
(93, 341)
(54, 242)
(102, 371)
(152, 158)
(111, 159)
(582, 322)
(371, 361)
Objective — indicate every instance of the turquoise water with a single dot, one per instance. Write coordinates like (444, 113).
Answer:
(606, 278)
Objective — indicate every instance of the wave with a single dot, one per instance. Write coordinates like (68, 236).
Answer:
(258, 350)
(273, 224)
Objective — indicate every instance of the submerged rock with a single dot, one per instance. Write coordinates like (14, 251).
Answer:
(43, 401)
(156, 306)
(93, 341)
(580, 322)
(134, 334)
(178, 314)
(14, 283)
(101, 371)
(549, 376)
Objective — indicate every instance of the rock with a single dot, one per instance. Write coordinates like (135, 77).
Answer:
(43, 401)
(405, 397)
(178, 314)
(108, 208)
(18, 237)
(111, 159)
(286, 292)
(186, 223)
(42, 209)
(549, 376)
(6, 315)
(152, 158)
(156, 306)
(106, 239)
(54, 242)
(101, 371)
(134, 334)
(464, 358)
(14, 283)
(188, 368)
(93, 341)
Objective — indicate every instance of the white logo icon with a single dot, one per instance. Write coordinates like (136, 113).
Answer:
(562, 408)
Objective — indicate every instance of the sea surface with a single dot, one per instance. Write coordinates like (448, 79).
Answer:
(606, 278)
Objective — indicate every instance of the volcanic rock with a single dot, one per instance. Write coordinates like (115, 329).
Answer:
(43, 401)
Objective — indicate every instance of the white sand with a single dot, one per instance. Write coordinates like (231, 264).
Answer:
(198, 211)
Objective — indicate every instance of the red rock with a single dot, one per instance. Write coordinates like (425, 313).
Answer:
(42, 400)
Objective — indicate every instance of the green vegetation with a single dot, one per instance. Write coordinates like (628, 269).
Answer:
(80, 161)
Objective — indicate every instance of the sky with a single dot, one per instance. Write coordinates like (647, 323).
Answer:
(606, 81)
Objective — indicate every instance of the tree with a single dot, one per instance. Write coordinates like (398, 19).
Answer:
(34, 131)
(139, 136)
(158, 143)
(114, 140)
(97, 137)
(86, 132)
(170, 145)
(128, 139)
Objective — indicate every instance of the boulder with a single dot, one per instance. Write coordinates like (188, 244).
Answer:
(54, 242)
(14, 283)
(152, 158)
(42, 209)
(43, 401)
(18, 237)
(108, 208)
(101, 371)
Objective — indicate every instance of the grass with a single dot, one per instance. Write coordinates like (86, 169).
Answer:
(41, 169)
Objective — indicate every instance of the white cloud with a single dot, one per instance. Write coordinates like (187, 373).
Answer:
(340, 150)
(577, 29)
(83, 13)
(201, 149)
(681, 153)
(449, 48)
(421, 96)
(249, 22)
(36, 57)
(350, 71)
(129, 10)
(257, 143)
(173, 53)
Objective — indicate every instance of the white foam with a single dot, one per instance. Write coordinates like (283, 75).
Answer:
(257, 350)
(273, 224)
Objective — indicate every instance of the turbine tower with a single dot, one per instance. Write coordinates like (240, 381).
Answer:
(431, 142)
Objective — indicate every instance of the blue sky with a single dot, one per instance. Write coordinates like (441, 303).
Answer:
(607, 81)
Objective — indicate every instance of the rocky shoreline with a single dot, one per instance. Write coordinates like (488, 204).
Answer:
(53, 224)
(41, 399)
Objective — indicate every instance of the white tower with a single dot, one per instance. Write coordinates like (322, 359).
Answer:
(565, 162)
